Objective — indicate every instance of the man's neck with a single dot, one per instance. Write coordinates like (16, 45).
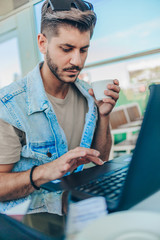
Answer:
(52, 85)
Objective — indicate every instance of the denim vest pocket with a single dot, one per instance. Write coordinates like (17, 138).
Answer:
(44, 150)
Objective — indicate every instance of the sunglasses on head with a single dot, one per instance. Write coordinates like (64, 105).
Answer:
(66, 5)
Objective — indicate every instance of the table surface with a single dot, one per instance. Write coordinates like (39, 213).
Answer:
(150, 204)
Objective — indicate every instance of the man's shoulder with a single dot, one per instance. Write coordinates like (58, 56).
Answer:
(17, 87)
(13, 89)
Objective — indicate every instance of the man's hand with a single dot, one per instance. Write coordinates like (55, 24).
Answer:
(106, 105)
(17, 184)
(70, 161)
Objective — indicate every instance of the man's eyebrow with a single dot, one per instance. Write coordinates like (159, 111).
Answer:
(72, 46)
(87, 46)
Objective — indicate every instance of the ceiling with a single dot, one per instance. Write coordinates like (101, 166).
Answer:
(6, 6)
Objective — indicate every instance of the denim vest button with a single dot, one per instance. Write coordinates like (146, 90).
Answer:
(49, 154)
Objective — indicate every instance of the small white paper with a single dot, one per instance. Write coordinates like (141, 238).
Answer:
(20, 209)
(83, 212)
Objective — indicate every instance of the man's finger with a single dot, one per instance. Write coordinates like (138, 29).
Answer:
(81, 152)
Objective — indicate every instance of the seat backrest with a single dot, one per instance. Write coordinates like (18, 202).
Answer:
(133, 111)
(118, 117)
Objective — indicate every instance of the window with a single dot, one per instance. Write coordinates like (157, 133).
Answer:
(37, 13)
(9, 62)
(125, 44)
(124, 27)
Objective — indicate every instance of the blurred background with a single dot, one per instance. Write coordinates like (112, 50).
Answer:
(125, 44)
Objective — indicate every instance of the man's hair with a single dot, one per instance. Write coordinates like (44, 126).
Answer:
(52, 20)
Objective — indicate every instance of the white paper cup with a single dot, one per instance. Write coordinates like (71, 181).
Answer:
(99, 87)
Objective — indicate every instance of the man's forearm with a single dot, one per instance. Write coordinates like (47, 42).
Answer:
(102, 140)
(15, 185)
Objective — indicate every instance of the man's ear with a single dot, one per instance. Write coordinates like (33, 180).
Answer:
(42, 43)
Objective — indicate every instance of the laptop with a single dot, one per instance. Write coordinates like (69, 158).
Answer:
(123, 185)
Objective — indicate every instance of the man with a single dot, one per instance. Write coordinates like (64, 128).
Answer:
(48, 122)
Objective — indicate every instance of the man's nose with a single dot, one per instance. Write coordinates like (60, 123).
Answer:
(76, 59)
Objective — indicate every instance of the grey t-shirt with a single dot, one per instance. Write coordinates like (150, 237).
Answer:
(70, 113)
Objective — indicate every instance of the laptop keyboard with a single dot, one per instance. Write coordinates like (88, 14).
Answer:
(108, 186)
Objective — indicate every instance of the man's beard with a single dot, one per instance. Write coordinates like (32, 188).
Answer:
(54, 68)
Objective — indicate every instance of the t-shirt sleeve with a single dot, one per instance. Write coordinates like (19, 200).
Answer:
(10, 145)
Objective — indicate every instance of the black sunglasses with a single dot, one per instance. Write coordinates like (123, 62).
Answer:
(66, 5)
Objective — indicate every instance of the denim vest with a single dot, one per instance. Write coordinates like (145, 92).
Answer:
(24, 105)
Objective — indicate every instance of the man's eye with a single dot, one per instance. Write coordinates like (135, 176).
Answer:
(84, 50)
(66, 49)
